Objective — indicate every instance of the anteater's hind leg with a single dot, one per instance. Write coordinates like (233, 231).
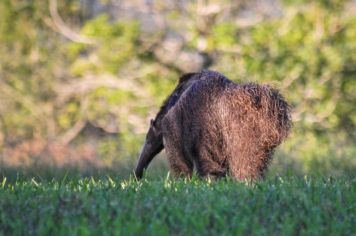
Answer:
(208, 167)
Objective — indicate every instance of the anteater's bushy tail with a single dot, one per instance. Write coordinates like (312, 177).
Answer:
(271, 111)
(263, 124)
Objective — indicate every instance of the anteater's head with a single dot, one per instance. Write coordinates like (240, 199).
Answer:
(152, 146)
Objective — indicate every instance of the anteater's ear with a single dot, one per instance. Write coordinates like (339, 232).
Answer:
(186, 77)
(153, 126)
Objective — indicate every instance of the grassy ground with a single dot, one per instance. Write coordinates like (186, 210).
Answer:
(113, 206)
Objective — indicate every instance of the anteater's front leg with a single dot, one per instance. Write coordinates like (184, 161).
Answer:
(179, 164)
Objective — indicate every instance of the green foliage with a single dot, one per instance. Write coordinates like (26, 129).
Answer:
(110, 206)
(334, 5)
(223, 35)
(116, 44)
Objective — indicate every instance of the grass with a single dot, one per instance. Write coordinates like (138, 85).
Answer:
(114, 206)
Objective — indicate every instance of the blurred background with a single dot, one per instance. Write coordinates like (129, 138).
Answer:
(80, 79)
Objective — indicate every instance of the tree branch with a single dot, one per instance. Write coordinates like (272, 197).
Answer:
(65, 30)
(91, 82)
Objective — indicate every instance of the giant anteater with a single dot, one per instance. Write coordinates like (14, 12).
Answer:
(217, 127)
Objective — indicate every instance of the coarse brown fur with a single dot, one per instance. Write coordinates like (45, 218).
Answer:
(218, 127)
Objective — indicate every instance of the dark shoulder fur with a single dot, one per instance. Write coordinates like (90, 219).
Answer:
(186, 77)
(174, 97)
(185, 81)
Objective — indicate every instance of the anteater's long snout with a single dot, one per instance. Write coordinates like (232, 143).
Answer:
(148, 152)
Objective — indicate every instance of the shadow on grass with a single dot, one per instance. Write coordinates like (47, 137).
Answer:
(159, 170)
